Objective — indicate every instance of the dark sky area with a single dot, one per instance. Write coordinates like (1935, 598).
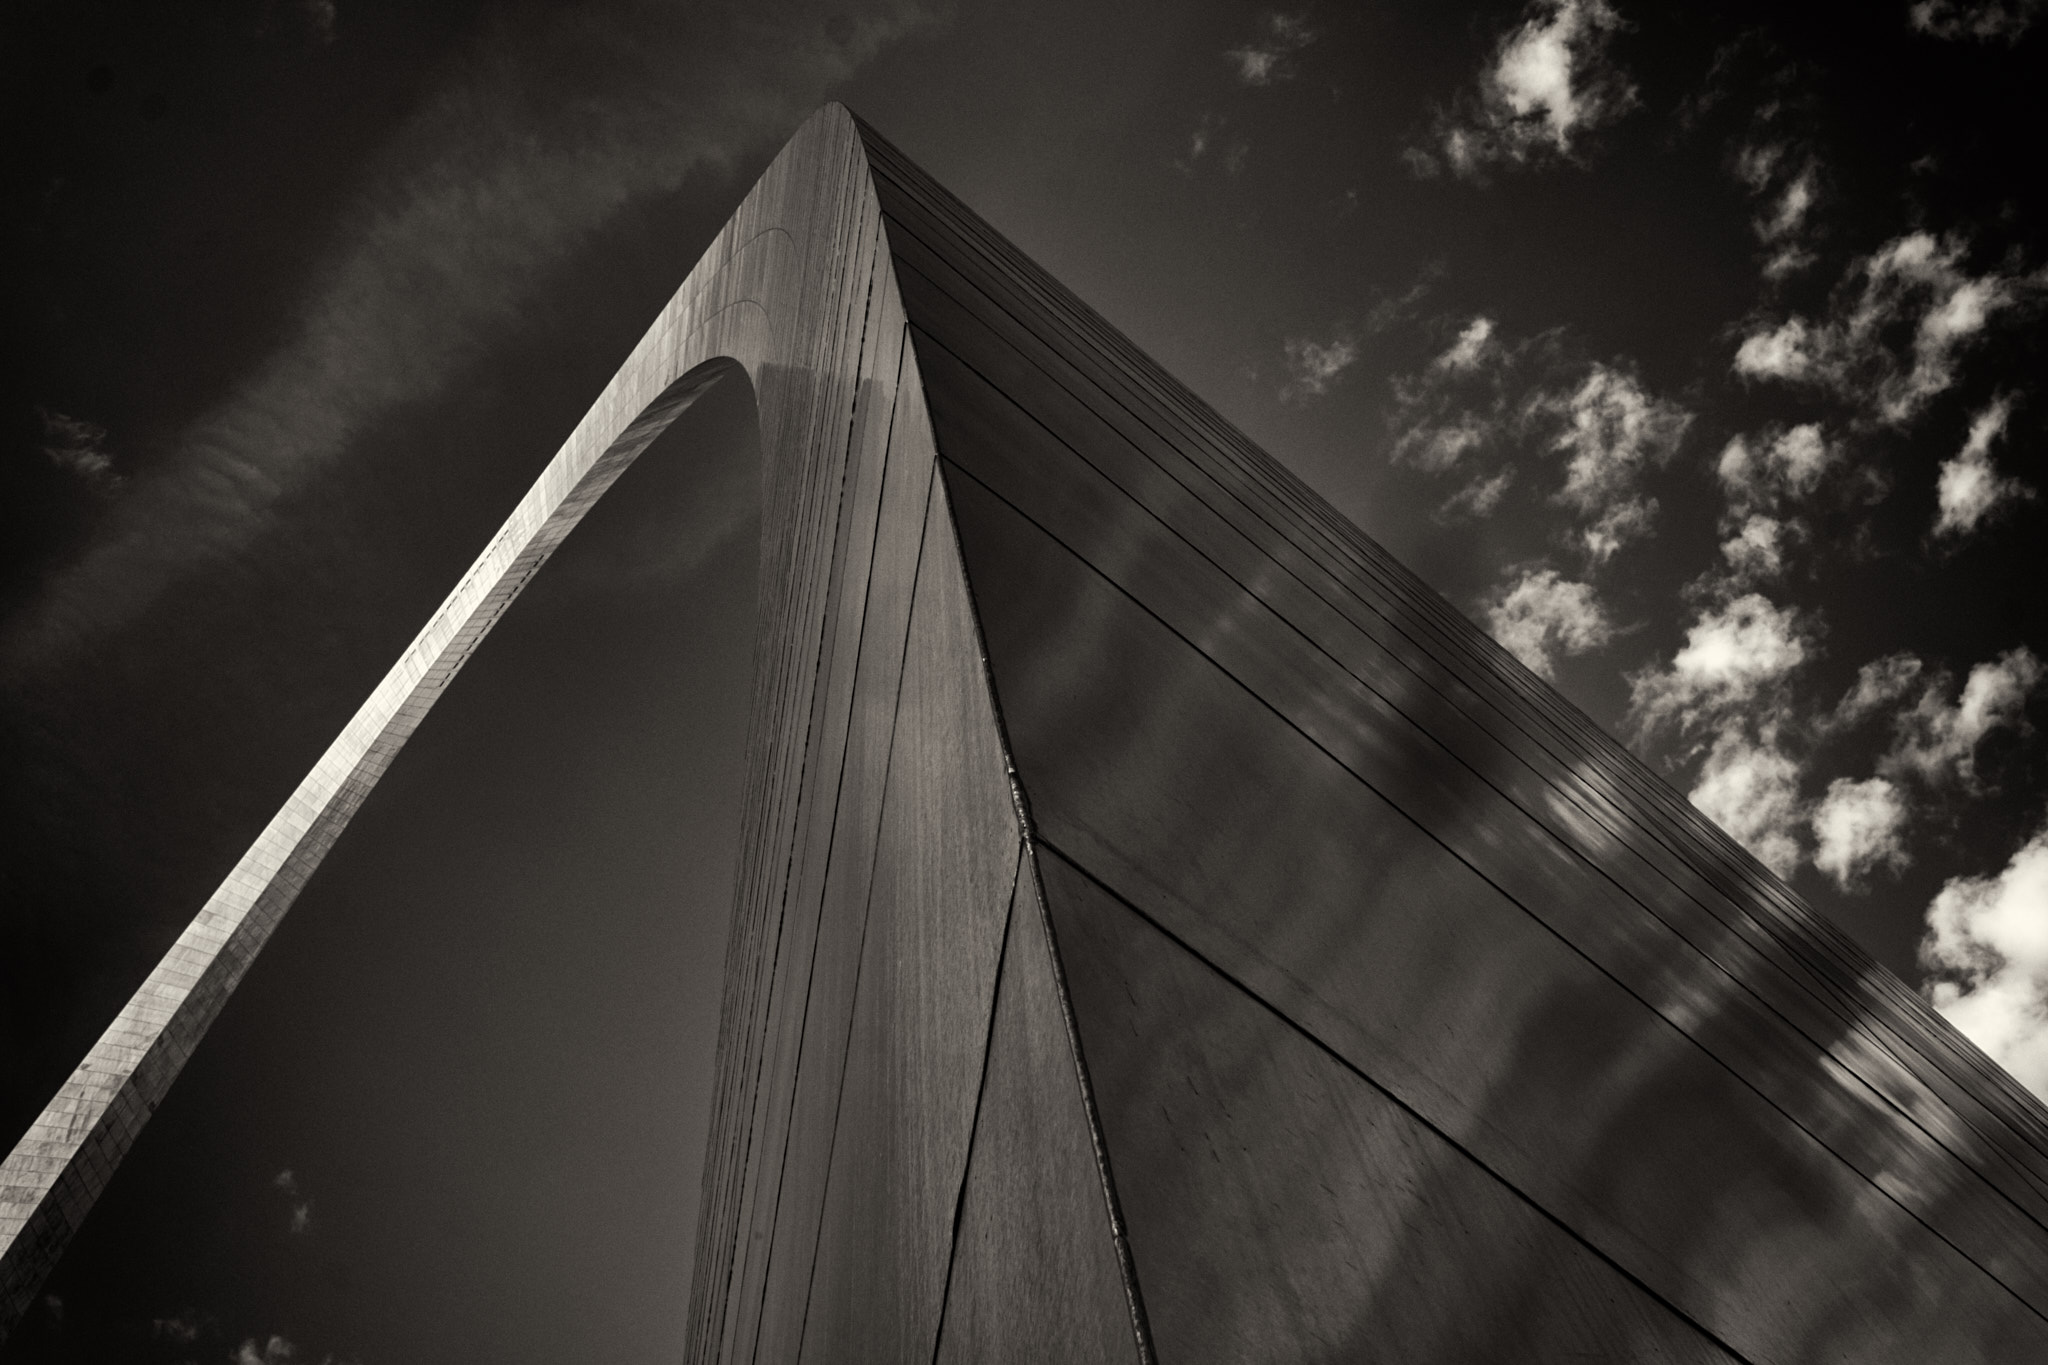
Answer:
(1694, 351)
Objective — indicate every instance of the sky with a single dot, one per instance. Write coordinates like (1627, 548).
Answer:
(1694, 352)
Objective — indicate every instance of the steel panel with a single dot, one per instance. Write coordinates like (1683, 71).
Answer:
(1036, 1275)
(945, 870)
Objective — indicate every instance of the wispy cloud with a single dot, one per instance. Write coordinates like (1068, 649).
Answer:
(301, 1206)
(1312, 366)
(1212, 140)
(181, 1328)
(276, 1350)
(1478, 498)
(541, 135)
(1485, 397)
(1773, 468)
(1915, 284)
(1987, 20)
(1549, 82)
(1541, 617)
(1969, 488)
(79, 448)
(1788, 181)
(1613, 431)
(1270, 57)
(1936, 739)
(1987, 947)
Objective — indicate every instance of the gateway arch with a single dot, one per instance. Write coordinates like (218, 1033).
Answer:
(1165, 929)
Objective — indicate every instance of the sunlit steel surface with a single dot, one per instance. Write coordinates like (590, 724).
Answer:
(1166, 929)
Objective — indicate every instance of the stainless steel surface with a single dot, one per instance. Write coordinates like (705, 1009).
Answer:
(1376, 1004)
(1035, 1275)
(1279, 1202)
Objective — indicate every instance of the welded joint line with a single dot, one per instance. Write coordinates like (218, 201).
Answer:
(988, 1047)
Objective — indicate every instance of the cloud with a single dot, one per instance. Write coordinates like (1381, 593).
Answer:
(275, 1351)
(301, 1207)
(183, 1328)
(1936, 740)
(1614, 431)
(1879, 684)
(539, 136)
(1471, 348)
(1790, 184)
(1459, 403)
(1987, 946)
(320, 16)
(1750, 788)
(1756, 552)
(1984, 19)
(1482, 393)
(1731, 656)
(1773, 468)
(79, 448)
(1210, 139)
(1914, 284)
(1969, 488)
(1543, 616)
(1859, 827)
(1270, 58)
(1479, 497)
(1548, 83)
(1312, 366)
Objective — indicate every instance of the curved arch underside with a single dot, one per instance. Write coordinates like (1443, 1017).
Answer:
(1165, 928)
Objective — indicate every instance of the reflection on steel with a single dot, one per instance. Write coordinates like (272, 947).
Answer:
(1165, 926)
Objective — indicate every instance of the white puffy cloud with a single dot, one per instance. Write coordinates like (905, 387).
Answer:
(1732, 654)
(1981, 19)
(1987, 946)
(1268, 58)
(1936, 739)
(1914, 283)
(1548, 83)
(1782, 352)
(1471, 347)
(1970, 488)
(1750, 788)
(1859, 827)
(1312, 366)
(1756, 551)
(1778, 466)
(1542, 616)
